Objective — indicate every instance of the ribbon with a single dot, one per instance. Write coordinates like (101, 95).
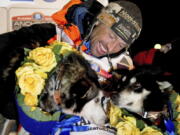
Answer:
(67, 126)
(50, 127)
(170, 127)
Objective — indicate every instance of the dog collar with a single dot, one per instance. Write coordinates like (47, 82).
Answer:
(105, 103)
(165, 116)
(153, 115)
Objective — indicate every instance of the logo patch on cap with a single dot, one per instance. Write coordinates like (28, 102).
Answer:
(125, 30)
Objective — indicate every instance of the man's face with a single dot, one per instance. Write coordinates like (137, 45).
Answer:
(104, 41)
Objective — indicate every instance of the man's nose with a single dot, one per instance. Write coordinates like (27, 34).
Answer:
(111, 46)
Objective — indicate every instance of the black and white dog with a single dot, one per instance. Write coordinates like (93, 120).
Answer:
(141, 91)
(74, 88)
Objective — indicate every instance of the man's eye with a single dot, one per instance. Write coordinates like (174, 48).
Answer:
(122, 45)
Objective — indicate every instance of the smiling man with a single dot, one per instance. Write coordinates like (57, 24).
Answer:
(118, 25)
(104, 40)
(102, 30)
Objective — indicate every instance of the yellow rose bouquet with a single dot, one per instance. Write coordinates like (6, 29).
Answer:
(31, 78)
(127, 124)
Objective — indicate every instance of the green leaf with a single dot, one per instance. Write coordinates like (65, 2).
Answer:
(27, 60)
(17, 89)
(67, 54)
(140, 124)
(173, 97)
(56, 49)
(26, 51)
(175, 114)
(125, 112)
(58, 57)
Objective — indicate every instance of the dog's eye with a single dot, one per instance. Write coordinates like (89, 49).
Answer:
(129, 104)
(137, 87)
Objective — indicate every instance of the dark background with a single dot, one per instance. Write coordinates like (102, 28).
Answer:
(161, 23)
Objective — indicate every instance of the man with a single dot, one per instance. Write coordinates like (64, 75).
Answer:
(119, 20)
(104, 32)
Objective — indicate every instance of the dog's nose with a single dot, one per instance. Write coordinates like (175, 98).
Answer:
(114, 96)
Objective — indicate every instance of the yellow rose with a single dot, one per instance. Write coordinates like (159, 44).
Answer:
(177, 101)
(31, 83)
(24, 69)
(42, 74)
(66, 49)
(63, 44)
(30, 100)
(178, 118)
(115, 114)
(178, 108)
(150, 131)
(127, 128)
(130, 119)
(178, 129)
(44, 57)
(30, 68)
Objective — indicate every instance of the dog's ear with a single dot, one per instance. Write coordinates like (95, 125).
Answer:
(159, 97)
(165, 86)
(91, 93)
(113, 84)
(156, 101)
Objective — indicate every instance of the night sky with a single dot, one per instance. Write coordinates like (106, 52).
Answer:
(161, 23)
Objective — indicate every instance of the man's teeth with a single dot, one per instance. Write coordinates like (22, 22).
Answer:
(103, 48)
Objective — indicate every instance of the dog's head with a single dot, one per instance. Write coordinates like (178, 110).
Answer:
(70, 86)
(139, 91)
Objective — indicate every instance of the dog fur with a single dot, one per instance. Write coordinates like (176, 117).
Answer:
(139, 91)
(74, 88)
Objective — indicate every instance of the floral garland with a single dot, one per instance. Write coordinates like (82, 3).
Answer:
(129, 125)
(32, 75)
(31, 79)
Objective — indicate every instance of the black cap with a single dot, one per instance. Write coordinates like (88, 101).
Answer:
(124, 18)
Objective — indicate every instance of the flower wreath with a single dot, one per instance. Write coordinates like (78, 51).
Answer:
(127, 124)
(31, 77)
